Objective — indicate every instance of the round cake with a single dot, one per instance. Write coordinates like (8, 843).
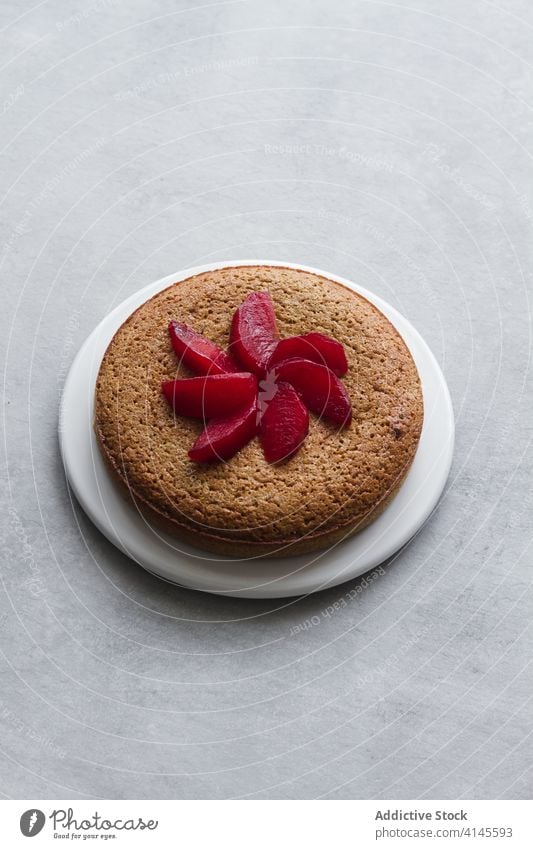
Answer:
(340, 477)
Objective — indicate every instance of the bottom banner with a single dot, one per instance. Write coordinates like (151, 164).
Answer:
(262, 824)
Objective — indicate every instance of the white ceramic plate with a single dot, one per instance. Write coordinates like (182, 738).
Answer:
(252, 578)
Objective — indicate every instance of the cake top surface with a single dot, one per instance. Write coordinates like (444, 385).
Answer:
(337, 474)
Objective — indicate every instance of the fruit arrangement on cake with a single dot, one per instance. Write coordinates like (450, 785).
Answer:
(258, 411)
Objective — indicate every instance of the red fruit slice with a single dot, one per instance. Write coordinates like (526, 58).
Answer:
(197, 353)
(253, 332)
(215, 395)
(223, 437)
(284, 424)
(319, 388)
(315, 347)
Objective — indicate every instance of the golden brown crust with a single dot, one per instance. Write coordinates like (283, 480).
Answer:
(336, 484)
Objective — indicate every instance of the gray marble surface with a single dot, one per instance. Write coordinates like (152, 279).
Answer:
(389, 143)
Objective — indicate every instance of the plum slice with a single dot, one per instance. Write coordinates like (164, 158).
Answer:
(214, 395)
(254, 333)
(312, 346)
(224, 437)
(318, 387)
(198, 353)
(284, 424)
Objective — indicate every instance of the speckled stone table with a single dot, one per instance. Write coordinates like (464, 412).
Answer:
(386, 143)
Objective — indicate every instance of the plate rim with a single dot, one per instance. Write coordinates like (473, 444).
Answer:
(289, 585)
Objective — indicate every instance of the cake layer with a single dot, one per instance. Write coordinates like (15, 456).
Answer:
(340, 478)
